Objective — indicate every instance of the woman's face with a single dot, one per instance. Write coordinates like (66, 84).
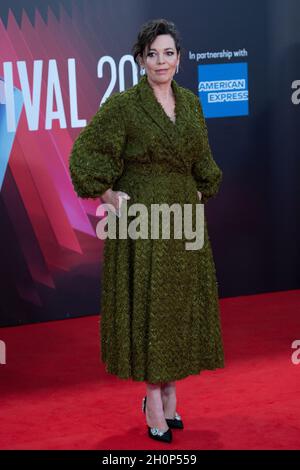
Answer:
(160, 59)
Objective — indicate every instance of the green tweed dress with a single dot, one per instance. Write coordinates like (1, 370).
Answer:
(160, 318)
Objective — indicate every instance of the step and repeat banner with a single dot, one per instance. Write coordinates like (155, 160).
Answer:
(59, 60)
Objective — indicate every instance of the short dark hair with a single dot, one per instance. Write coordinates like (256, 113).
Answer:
(150, 30)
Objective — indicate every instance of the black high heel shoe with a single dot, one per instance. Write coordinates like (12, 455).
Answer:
(156, 433)
(176, 422)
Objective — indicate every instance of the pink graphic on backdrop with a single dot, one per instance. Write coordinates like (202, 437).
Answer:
(62, 224)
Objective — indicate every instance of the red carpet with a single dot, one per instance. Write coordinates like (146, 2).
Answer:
(55, 394)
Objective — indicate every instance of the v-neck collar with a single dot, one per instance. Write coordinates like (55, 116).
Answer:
(173, 132)
(154, 108)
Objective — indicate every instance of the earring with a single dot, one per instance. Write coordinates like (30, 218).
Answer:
(142, 71)
(177, 68)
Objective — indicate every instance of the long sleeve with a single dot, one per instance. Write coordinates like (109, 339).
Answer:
(95, 161)
(207, 174)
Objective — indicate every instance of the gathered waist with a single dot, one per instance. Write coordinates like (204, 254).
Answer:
(153, 169)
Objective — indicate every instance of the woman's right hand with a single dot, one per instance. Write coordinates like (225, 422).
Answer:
(115, 198)
(199, 195)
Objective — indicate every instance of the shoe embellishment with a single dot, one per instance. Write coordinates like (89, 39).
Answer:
(157, 432)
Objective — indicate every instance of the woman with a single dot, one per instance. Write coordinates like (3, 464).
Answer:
(160, 313)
